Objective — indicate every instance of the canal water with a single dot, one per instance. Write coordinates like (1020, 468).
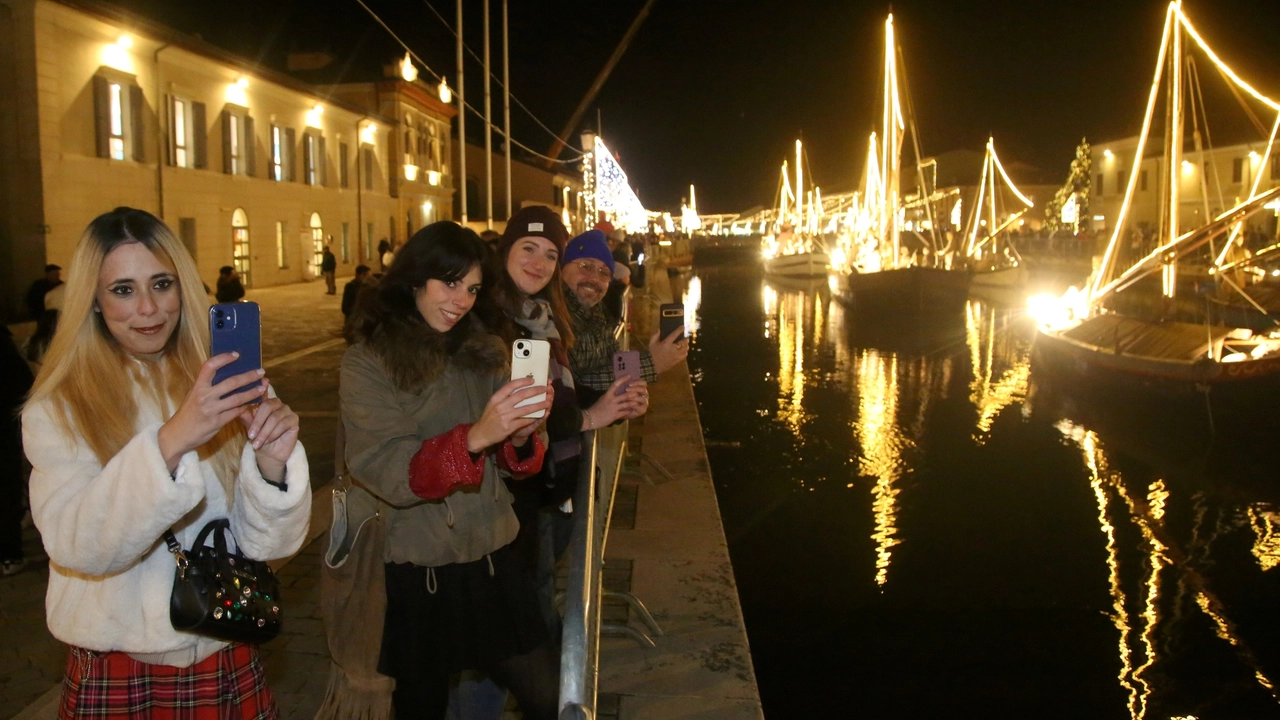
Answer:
(922, 526)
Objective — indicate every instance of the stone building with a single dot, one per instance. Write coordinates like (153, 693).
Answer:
(250, 167)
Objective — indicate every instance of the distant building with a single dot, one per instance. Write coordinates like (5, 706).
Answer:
(957, 174)
(1209, 182)
(530, 185)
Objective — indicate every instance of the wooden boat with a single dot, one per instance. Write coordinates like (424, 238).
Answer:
(800, 264)
(1140, 353)
(1009, 276)
(794, 248)
(994, 260)
(910, 290)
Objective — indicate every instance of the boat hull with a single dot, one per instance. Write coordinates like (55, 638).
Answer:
(905, 291)
(1001, 278)
(806, 265)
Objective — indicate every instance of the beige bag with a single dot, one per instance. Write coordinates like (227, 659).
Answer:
(353, 601)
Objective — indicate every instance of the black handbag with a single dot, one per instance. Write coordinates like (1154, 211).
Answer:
(222, 594)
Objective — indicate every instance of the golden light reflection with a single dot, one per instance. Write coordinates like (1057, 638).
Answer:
(1266, 531)
(990, 396)
(883, 444)
(791, 378)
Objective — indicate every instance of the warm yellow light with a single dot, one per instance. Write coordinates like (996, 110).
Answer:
(313, 116)
(446, 94)
(115, 55)
(369, 134)
(1188, 166)
(235, 93)
(1254, 157)
(243, 83)
(410, 172)
(1108, 154)
(433, 177)
(407, 70)
(125, 42)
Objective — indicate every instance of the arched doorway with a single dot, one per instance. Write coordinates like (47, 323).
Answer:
(317, 244)
(240, 245)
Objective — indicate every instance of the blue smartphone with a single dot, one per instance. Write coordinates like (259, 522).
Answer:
(236, 327)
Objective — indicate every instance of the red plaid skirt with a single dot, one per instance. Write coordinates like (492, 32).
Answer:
(228, 685)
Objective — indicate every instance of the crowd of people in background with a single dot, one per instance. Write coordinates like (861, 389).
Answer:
(473, 484)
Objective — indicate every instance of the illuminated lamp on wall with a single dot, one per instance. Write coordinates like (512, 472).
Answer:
(369, 134)
(313, 116)
(446, 93)
(433, 177)
(116, 55)
(411, 172)
(235, 93)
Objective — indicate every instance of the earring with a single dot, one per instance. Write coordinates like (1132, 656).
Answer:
(97, 309)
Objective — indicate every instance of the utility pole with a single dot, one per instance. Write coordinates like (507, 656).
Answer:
(506, 99)
(462, 124)
(590, 97)
(488, 127)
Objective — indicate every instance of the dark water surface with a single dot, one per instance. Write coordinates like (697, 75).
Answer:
(921, 526)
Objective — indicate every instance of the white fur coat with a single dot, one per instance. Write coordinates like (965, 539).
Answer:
(110, 574)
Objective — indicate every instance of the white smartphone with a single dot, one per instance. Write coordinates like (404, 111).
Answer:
(531, 359)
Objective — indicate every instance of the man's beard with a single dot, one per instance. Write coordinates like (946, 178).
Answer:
(599, 291)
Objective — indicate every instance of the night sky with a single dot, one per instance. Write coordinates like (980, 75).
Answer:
(715, 92)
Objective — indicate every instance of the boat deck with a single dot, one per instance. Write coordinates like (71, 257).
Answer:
(1168, 341)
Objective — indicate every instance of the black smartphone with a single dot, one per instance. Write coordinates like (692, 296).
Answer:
(670, 317)
(236, 327)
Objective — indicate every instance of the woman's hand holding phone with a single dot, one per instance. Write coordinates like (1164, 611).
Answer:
(205, 411)
(617, 403)
(502, 419)
(273, 432)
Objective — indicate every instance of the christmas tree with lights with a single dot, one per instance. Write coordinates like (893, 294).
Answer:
(1077, 185)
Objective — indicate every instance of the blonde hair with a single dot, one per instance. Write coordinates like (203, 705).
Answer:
(82, 369)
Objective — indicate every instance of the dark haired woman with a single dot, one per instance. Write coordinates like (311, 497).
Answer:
(128, 437)
(531, 295)
(431, 425)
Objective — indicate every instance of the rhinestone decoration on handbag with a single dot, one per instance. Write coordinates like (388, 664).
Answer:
(220, 593)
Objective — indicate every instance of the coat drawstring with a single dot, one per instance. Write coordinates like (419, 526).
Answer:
(431, 581)
(490, 559)
(448, 513)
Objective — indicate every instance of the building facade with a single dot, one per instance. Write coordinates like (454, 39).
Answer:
(250, 168)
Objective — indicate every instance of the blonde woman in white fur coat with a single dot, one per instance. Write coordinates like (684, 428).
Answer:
(128, 437)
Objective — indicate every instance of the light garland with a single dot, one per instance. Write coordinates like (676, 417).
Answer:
(607, 192)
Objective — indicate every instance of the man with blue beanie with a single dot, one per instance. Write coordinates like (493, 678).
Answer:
(587, 268)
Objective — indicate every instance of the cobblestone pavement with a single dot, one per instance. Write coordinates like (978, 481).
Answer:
(296, 318)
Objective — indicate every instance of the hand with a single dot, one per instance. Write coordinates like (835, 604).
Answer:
(668, 352)
(204, 411)
(615, 403)
(501, 418)
(273, 431)
(637, 403)
(519, 437)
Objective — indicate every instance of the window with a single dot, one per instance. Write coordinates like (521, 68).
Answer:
(237, 143)
(240, 245)
(1142, 180)
(342, 164)
(183, 154)
(282, 257)
(1098, 189)
(555, 194)
(277, 154)
(309, 159)
(346, 243)
(1237, 170)
(368, 242)
(317, 244)
(119, 110)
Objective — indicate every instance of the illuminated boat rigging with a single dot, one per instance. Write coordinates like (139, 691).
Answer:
(993, 259)
(1080, 333)
(794, 246)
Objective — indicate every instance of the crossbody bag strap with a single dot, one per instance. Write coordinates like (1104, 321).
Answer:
(179, 556)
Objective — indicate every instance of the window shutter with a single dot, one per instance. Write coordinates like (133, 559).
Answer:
(171, 140)
(290, 148)
(322, 163)
(101, 115)
(307, 159)
(343, 160)
(227, 119)
(138, 123)
(199, 135)
(248, 146)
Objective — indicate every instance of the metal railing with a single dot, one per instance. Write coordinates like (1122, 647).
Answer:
(602, 462)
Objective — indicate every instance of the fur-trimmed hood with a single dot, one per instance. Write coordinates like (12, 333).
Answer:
(416, 355)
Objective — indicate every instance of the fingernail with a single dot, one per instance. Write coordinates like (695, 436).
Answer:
(252, 434)
(261, 371)
(235, 353)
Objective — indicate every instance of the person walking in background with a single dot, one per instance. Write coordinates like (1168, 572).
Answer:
(351, 291)
(587, 271)
(15, 382)
(386, 254)
(431, 426)
(129, 437)
(36, 292)
(329, 266)
(229, 287)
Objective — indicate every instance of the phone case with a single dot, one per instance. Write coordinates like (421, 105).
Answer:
(531, 359)
(670, 317)
(626, 363)
(236, 327)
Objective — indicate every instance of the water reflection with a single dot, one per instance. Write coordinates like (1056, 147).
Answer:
(994, 347)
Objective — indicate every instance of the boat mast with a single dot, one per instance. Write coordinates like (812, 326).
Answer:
(891, 161)
(799, 187)
(1173, 153)
(782, 199)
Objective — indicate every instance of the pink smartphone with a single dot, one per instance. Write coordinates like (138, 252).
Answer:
(626, 364)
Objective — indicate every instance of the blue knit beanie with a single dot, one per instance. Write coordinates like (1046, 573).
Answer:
(590, 244)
